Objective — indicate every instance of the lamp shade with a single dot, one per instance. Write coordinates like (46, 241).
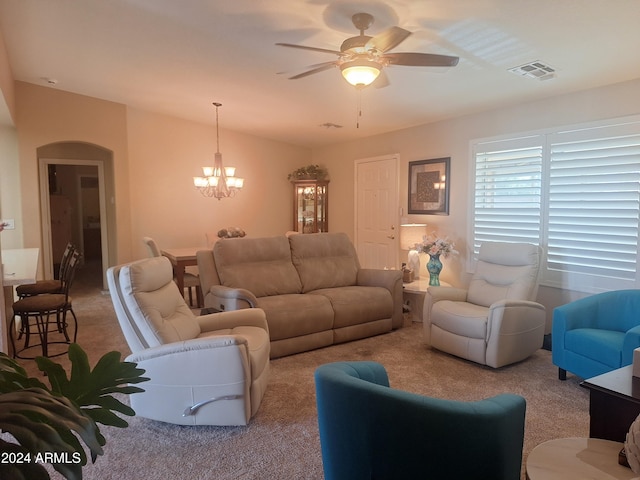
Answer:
(360, 72)
(411, 233)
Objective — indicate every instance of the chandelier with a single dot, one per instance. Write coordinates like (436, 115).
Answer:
(218, 181)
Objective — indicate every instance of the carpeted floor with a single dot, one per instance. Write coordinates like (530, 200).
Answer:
(282, 440)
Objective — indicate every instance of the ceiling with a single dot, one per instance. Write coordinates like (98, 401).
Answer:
(177, 57)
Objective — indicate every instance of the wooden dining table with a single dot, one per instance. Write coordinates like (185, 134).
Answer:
(180, 259)
(19, 266)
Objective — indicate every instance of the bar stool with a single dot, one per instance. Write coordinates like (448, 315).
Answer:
(43, 311)
(48, 286)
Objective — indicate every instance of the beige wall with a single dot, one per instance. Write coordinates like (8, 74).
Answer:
(47, 116)
(154, 158)
(452, 138)
(7, 97)
(10, 201)
(166, 153)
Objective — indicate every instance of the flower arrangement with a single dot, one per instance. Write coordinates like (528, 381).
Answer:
(437, 246)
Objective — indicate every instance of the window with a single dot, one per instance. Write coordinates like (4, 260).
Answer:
(575, 192)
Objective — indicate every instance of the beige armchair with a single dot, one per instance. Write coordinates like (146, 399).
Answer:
(496, 321)
(207, 370)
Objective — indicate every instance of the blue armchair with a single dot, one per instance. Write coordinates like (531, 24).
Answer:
(368, 430)
(596, 334)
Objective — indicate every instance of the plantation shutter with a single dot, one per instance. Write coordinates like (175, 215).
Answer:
(508, 191)
(594, 202)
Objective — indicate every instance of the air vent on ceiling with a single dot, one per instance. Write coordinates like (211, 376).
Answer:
(536, 69)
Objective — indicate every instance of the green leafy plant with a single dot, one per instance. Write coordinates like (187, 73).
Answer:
(49, 422)
(315, 172)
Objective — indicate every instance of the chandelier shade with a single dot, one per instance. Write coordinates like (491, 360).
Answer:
(218, 181)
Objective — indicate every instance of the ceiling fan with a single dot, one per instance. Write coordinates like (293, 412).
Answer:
(362, 58)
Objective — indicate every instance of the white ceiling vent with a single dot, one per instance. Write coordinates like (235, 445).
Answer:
(536, 69)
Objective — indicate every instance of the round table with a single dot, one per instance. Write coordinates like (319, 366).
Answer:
(577, 458)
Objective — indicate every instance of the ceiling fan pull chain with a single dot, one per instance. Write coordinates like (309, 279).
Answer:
(359, 108)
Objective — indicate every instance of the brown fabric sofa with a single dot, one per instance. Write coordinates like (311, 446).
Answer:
(310, 286)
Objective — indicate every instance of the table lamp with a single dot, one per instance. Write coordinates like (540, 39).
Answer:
(410, 234)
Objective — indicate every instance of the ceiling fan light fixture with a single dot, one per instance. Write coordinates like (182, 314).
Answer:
(360, 72)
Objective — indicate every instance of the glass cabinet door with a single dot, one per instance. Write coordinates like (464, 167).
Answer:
(310, 200)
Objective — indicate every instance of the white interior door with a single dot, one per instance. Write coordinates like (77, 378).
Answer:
(377, 211)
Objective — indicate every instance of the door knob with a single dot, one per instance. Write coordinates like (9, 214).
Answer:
(392, 236)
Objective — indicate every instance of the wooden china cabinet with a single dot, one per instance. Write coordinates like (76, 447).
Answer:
(310, 205)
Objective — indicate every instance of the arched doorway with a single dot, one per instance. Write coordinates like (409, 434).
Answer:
(75, 183)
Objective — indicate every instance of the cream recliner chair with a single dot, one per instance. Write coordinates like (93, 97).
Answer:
(496, 321)
(207, 370)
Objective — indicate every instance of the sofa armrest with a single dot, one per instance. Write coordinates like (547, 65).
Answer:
(392, 281)
(248, 317)
(207, 271)
(629, 344)
(227, 298)
(372, 277)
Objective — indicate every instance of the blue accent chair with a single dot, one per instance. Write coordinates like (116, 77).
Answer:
(370, 431)
(596, 334)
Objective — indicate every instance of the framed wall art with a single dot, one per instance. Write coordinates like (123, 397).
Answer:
(429, 186)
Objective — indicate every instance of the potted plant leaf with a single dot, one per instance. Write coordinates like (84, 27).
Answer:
(48, 422)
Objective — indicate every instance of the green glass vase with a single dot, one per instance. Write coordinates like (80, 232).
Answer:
(434, 267)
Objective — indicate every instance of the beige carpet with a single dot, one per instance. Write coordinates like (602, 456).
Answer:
(282, 440)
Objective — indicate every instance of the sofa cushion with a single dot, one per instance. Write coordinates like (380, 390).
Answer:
(604, 346)
(324, 260)
(355, 305)
(261, 265)
(296, 315)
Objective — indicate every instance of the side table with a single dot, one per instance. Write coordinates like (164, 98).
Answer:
(413, 295)
(577, 459)
(614, 403)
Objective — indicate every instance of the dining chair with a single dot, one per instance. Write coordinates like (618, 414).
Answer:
(191, 281)
(44, 311)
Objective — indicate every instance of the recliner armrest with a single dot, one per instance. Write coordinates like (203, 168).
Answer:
(193, 346)
(506, 303)
(248, 317)
(436, 294)
(446, 293)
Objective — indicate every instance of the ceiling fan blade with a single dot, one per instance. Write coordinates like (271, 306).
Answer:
(412, 59)
(390, 38)
(317, 68)
(315, 49)
(382, 80)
